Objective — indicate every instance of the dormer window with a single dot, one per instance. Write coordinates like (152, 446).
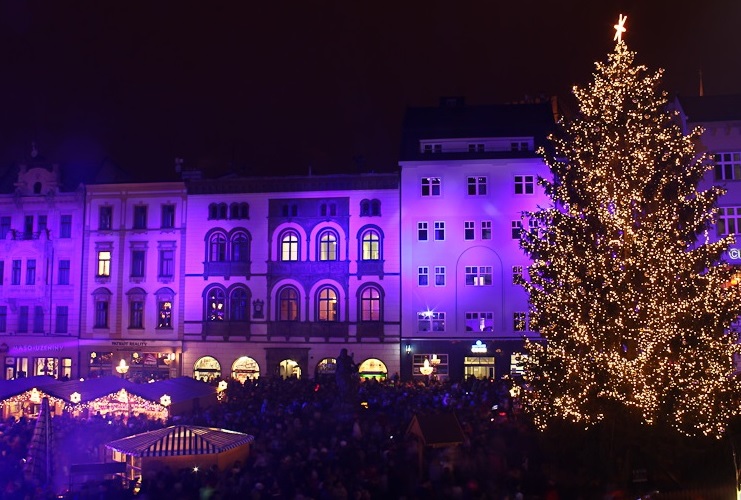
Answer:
(476, 148)
(432, 148)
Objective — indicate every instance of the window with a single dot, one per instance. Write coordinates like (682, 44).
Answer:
(327, 303)
(164, 314)
(289, 247)
(31, 272)
(288, 304)
(164, 298)
(430, 186)
(520, 321)
(136, 314)
(729, 221)
(371, 245)
(439, 275)
(140, 217)
(42, 225)
(289, 210)
(516, 229)
(104, 263)
(167, 263)
(217, 252)
(476, 148)
(62, 321)
(365, 208)
(28, 227)
(524, 184)
(63, 273)
(65, 226)
(216, 305)
(168, 217)
(479, 321)
(469, 229)
(3, 319)
(429, 321)
(328, 209)
(532, 226)
(105, 218)
(23, 319)
(479, 276)
(423, 276)
(422, 231)
(101, 314)
(240, 248)
(476, 186)
(2, 272)
(327, 246)
(238, 305)
(15, 276)
(728, 166)
(138, 258)
(516, 275)
(376, 208)
(485, 229)
(439, 231)
(432, 148)
(370, 304)
(4, 227)
(38, 319)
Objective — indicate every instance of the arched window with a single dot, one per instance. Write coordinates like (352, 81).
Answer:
(222, 211)
(238, 305)
(234, 211)
(327, 246)
(327, 305)
(213, 211)
(371, 245)
(370, 304)
(288, 304)
(364, 208)
(244, 210)
(240, 251)
(217, 248)
(165, 298)
(102, 299)
(206, 369)
(289, 246)
(375, 207)
(215, 304)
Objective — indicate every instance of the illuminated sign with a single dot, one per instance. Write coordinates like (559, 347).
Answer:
(734, 253)
(479, 348)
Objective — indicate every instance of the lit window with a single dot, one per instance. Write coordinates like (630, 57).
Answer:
(289, 247)
(431, 321)
(479, 276)
(215, 305)
(104, 263)
(327, 246)
(327, 305)
(288, 304)
(370, 304)
(524, 184)
(164, 315)
(371, 245)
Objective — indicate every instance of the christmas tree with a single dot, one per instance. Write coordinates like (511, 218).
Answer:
(631, 296)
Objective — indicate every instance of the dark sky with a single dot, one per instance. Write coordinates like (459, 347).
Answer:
(283, 86)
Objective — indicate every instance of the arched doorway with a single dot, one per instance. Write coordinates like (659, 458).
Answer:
(289, 368)
(326, 369)
(245, 368)
(373, 368)
(207, 369)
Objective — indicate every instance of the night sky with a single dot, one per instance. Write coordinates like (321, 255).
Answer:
(284, 87)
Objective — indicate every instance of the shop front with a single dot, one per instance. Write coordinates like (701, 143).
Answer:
(135, 360)
(31, 357)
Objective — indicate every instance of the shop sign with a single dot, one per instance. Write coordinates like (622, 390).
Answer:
(40, 347)
(479, 348)
(734, 253)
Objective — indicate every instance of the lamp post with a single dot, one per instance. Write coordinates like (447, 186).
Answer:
(122, 368)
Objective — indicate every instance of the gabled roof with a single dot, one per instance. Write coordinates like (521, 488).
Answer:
(437, 430)
(91, 389)
(461, 121)
(10, 388)
(180, 440)
(711, 108)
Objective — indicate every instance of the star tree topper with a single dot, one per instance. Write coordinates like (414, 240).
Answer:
(620, 28)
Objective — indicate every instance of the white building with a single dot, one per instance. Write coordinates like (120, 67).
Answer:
(467, 174)
(132, 279)
(40, 270)
(283, 273)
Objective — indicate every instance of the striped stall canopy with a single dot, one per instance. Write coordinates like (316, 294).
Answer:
(179, 440)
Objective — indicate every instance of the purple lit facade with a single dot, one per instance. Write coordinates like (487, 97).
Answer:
(272, 276)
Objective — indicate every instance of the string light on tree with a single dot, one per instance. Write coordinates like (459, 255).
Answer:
(633, 299)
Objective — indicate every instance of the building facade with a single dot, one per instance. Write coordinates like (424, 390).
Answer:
(40, 272)
(283, 273)
(467, 175)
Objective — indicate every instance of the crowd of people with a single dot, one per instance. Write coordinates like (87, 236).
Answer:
(312, 443)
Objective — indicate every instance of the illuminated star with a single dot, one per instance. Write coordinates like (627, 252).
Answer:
(619, 28)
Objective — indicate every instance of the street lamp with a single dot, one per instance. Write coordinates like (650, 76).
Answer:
(122, 368)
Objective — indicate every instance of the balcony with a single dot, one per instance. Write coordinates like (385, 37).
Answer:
(227, 269)
(306, 329)
(226, 329)
(370, 330)
(370, 268)
(337, 268)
